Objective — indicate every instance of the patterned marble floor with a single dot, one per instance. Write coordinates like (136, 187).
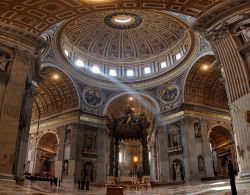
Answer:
(44, 188)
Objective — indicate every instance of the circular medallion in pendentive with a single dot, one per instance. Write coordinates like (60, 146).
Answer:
(92, 97)
(168, 93)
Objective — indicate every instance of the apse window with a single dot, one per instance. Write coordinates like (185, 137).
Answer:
(163, 64)
(178, 56)
(147, 70)
(96, 69)
(112, 72)
(79, 63)
(130, 73)
(66, 52)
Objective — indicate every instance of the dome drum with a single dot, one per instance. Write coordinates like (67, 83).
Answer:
(155, 43)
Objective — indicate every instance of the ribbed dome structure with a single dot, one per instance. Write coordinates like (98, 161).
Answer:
(148, 36)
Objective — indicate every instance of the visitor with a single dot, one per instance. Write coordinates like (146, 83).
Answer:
(232, 177)
(59, 182)
(79, 184)
(82, 184)
(87, 180)
(51, 181)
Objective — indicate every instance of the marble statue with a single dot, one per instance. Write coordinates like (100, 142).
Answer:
(245, 33)
(3, 62)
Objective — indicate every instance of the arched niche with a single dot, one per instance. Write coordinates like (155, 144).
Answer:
(223, 149)
(46, 153)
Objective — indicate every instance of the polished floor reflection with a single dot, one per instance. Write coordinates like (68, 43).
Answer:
(44, 188)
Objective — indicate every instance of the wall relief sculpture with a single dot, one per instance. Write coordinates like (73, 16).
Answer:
(4, 61)
(168, 93)
(92, 97)
(200, 163)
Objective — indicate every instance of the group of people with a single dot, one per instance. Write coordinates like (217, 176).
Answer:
(84, 183)
(54, 181)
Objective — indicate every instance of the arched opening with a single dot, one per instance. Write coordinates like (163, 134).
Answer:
(177, 170)
(88, 170)
(223, 150)
(132, 115)
(46, 155)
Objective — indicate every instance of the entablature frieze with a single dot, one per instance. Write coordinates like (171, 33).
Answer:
(222, 20)
(19, 38)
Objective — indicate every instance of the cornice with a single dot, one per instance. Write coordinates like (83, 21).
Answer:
(21, 38)
(215, 23)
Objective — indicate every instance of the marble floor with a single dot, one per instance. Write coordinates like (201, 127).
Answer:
(43, 188)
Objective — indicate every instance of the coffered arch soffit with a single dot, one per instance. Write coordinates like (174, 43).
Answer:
(219, 136)
(48, 141)
(38, 15)
(205, 87)
(56, 93)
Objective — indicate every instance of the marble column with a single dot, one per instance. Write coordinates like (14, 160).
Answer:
(163, 155)
(111, 153)
(18, 66)
(116, 156)
(60, 152)
(102, 144)
(188, 142)
(145, 162)
(23, 132)
(229, 51)
(74, 127)
(208, 164)
(237, 81)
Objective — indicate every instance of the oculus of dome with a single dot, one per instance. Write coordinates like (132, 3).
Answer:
(122, 20)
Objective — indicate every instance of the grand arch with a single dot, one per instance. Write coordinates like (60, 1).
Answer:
(55, 94)
(45, 156)
(223, 149)
(204, 84)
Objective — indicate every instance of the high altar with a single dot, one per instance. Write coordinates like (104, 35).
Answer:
(128, 127)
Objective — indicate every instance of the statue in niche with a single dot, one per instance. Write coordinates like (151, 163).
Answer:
(68, 136)
(177, 171)
(245, 31)
(4, 61)
(65, 167)
(46, 165)
(175, 137)
(89, 143)
(197, 130)
(200, 163)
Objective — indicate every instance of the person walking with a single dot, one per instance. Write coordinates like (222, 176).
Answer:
(59, 182)
(83, 183)
(87, 180)
(232, 177)
(79, 184)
